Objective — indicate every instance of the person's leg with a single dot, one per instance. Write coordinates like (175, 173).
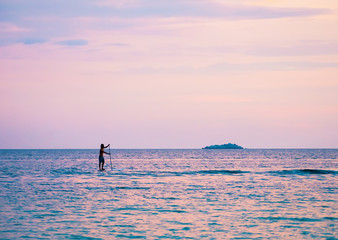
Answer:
(102, 165)
(101, 162)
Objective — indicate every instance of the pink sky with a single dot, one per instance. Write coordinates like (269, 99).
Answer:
(169, 74)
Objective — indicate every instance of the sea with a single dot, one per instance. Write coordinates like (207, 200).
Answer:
(169, 194)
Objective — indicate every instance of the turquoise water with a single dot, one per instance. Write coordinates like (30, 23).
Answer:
(169, 194)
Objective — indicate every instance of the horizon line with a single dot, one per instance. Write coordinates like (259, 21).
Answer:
(260, 148)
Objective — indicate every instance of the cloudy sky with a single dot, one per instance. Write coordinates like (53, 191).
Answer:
(168, 73)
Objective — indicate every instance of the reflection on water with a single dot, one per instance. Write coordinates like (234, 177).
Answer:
(174, 194)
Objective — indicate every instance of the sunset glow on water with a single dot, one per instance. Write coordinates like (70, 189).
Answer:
(173, 194)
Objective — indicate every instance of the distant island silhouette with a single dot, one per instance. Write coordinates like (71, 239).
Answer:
(224, 146)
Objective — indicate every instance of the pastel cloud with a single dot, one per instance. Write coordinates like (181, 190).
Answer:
(307, 48)
(6, 28)
(14, 10)
(231, 68)
(73, 42)
(41, 19)
(204, 8)
(33, 41)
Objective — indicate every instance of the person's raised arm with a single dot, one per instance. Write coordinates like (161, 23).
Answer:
(107, 146)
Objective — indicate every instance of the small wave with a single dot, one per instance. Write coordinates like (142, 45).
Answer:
(74, 236)
(227, 172)
(201, 172)
(131, 188)
(69, 171)
(298, 219)
(205, 172)
(304, 172)
(180, 173)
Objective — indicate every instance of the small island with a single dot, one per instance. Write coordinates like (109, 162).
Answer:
(224, 146)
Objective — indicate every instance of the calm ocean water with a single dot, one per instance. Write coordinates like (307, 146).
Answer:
(169, 194)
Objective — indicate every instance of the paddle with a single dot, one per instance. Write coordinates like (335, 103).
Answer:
(111, 168)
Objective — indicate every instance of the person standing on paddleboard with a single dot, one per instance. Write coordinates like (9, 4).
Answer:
(101, 158)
